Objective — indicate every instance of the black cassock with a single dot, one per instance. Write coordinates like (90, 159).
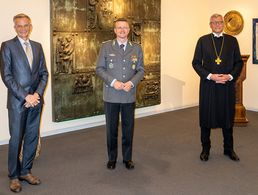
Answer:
(217, 101)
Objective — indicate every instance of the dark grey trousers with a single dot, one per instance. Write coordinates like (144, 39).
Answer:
(23, 126)
(112, 111)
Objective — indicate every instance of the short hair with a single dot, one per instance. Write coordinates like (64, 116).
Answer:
(215, 16)
(120, 20)
(21, 15)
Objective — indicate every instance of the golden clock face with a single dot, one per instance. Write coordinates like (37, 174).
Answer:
(234, 22)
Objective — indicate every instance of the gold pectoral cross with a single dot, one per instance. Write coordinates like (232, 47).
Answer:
(218, 60)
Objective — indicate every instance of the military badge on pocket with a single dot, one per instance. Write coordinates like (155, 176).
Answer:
(134, 58)
(111, 65)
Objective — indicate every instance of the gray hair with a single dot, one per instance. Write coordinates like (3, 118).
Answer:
(215, 16)
(21, 15)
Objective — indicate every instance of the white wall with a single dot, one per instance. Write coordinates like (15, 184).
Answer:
(182, 23)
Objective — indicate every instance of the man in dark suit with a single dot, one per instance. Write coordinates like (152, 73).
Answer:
(120, 66)
(24, 72)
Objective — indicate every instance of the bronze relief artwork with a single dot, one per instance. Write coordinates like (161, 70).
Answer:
(78, 27)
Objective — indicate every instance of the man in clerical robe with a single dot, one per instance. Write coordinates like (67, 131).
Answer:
(217, 60)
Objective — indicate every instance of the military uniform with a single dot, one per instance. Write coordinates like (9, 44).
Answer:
(123, 65)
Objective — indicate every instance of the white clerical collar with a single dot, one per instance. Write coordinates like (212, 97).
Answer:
(218, 35)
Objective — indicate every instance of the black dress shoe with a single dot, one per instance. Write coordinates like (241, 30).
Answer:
(204, 156)
(129, 164)
(111, 164)
(232, 155)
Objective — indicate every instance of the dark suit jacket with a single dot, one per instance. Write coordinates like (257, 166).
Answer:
(17, 75)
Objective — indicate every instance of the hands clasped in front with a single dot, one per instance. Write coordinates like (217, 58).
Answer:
(220, 78)
(32, 100)
(118, 85)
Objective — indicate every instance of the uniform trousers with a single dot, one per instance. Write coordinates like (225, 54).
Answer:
(112, 112)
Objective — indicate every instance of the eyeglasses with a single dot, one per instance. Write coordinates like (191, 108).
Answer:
(217, 22)
(22, 26)
(122, 28)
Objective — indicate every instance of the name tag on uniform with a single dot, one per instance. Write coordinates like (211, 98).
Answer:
(112, 54)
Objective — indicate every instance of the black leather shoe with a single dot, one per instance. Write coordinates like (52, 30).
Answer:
(111, 164)
(232, 155)
(129, 164)
(204, 156)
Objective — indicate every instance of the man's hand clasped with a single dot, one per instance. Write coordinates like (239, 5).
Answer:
(220, 78)
(118, 85)
(32, 100)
